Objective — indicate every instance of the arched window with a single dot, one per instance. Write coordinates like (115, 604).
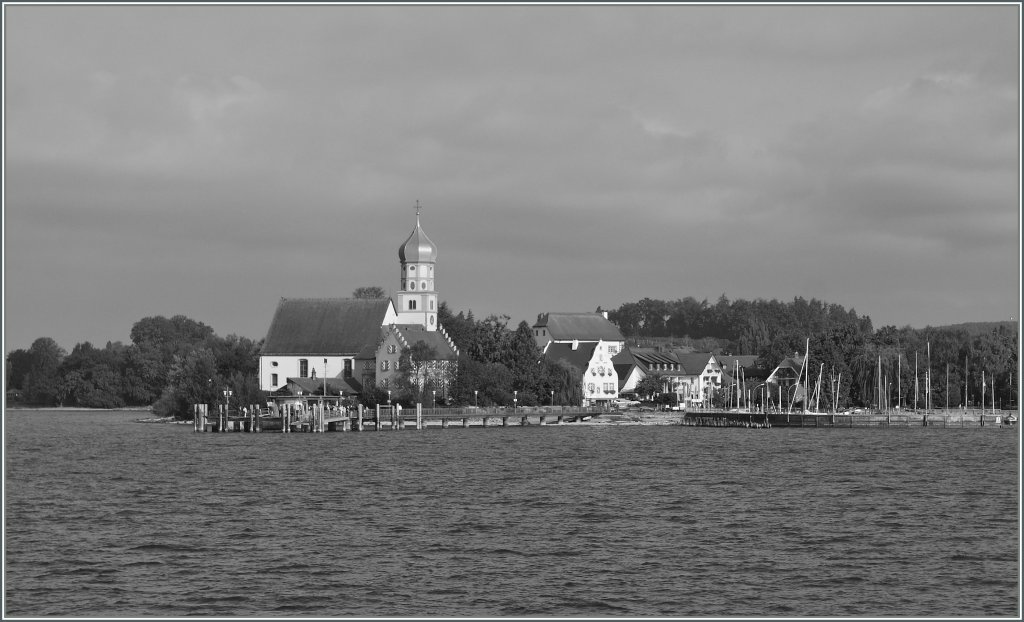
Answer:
(412, 305)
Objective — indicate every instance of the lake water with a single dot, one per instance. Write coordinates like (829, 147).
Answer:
(107, 517)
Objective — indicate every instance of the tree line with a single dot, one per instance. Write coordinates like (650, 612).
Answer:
(169, 364)
(858, 364)
(174, 362)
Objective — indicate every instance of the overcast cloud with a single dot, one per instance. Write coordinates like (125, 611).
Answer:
(208, 160)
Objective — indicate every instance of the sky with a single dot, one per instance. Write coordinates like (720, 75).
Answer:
(209, 160)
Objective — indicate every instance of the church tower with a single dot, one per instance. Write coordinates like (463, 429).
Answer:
(416, 300)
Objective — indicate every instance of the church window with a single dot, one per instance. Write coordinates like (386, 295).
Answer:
(431, 270)
(412, 269)
(431, 320)
(412, 284)
(385, 365)
(431, 304)
(423, 285)
(303, 368)
(412, 305)
(273, 380)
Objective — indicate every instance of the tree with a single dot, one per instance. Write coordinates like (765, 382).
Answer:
(42, 380)
(523, 359)
(192, 379)
(418, 369)
(372, 292)
(18, 364)
(650, 385)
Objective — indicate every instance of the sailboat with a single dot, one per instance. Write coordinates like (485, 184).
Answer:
(803, 383)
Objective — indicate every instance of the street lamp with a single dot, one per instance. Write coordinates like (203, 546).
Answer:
(433, 398)
(552, 398)
(227, 408)
(515, 400)
(763, 384)
(476, 403)
(389, 398)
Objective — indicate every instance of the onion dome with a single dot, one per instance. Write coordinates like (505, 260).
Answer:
(417, 248)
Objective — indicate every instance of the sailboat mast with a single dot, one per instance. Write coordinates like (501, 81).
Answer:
(807, 372)
(817, 389)
(928, 385)
(899, 374)
(916, 384)
(839, 383)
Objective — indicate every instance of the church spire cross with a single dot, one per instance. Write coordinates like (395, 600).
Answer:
(418, 208)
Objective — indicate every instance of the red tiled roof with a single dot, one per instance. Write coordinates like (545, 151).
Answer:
(582, 326)
(338, 326)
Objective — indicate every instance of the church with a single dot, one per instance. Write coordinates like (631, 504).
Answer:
(341, 346)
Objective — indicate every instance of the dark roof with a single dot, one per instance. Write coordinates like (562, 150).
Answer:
(580, 357)
(746, 361)
(315, 386)
(413, 333)
(694, 362)
(325, 325)
(582, 326)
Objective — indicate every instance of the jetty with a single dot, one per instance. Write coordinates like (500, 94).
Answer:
(935, 418)
(313, 417)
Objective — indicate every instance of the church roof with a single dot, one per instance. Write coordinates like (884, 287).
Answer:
(316, 326)
(581, 326)
(417, 247)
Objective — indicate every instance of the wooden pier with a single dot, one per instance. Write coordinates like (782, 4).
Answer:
(942, 419)
(313, 418)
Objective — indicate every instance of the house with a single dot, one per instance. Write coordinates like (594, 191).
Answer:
(356, 343)
(578, 327)
(692, 376)
(703, 375)
(600, 382)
